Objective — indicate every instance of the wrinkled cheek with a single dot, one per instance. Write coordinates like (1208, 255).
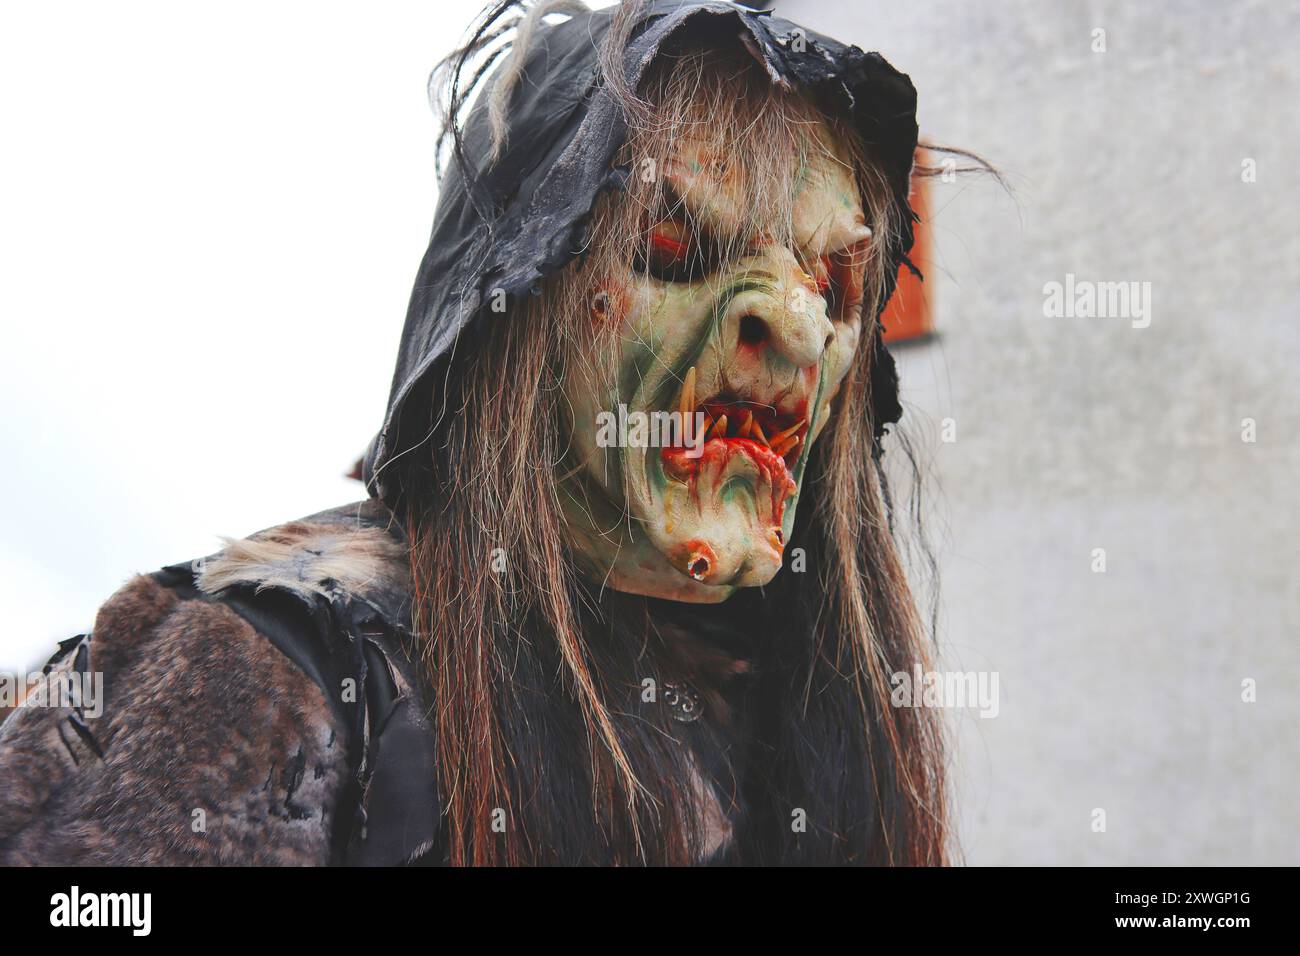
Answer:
(663, 317)
(624, 305)
(611, 301)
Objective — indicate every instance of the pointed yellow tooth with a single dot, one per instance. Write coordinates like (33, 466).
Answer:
(782, 436)
(784, 447)
(756, 430)
(686, 400)
(711, 429)
(742, 430)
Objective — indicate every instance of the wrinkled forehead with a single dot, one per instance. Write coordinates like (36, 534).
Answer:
(821, 210)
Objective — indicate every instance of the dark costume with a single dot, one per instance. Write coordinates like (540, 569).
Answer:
(273, 686)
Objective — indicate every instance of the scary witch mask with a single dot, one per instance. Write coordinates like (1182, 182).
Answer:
(717, 234)
(729, 288)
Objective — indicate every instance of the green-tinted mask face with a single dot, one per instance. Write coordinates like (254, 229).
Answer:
(751, 346)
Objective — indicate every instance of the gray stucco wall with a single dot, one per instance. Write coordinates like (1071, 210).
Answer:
(1120, 690)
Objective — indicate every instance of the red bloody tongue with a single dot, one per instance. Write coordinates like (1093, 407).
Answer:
(772, 465)
(784, 433)
(767, 437)
(717, 454)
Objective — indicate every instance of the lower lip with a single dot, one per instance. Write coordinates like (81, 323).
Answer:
(679, 464)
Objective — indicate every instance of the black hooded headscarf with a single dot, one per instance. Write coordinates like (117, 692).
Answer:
(503, 226)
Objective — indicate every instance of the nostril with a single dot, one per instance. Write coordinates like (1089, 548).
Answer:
(829, 339)
(753, 330)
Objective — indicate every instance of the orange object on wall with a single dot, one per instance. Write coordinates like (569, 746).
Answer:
(908, 314)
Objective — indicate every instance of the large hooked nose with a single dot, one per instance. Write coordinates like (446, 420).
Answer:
(789, 319)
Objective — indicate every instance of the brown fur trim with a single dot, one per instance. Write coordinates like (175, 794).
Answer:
(307, 558)
(203, 720)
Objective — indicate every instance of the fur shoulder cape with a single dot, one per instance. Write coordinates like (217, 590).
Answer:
(259, 706)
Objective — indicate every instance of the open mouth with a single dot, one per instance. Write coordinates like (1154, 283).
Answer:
(728, 487)
(731, 419)
(771, 435)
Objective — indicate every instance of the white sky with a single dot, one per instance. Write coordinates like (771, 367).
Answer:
(212, 216)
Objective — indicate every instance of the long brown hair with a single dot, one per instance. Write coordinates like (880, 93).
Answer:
(544, 754)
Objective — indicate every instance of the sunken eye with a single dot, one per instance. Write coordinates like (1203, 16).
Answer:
(822, 275)
(827, 278)
(839, 278)
(673, 252)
